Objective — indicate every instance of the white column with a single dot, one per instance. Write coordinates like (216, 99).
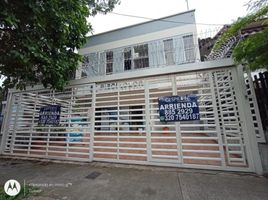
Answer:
(246, 118)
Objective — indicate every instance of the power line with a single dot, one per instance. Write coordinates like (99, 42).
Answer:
(164, 20)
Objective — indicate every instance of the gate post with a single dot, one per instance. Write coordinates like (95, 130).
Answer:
(247, 125)
(147, 121)
(5, 122)
(92, 123)
(177, 124)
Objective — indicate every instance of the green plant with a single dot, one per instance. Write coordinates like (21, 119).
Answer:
(252, 50)
(39, 39)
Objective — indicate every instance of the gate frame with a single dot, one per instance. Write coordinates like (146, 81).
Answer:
(250, 136)
(92, 122)
(6, 117)
(253, 155)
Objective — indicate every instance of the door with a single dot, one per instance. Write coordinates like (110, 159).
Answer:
(164, 138)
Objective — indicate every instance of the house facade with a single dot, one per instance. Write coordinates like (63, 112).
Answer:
(162, 42)
(112, 112)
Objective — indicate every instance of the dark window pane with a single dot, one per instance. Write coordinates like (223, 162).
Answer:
(169, 50)
(109, 62)
(127, 65)
(141, 59)
(141, 63)
(127, 59)
(188, 42)
(141, 50)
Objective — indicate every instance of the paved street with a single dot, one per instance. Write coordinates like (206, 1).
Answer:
(100, 181)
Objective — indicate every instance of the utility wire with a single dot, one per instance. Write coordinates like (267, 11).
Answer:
(164, 20)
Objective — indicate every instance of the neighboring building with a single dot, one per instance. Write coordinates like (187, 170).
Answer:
(225, 51)
(162, 42)
(206, 44)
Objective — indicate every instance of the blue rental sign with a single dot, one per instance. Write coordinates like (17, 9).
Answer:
(50, 115)
(178, 108)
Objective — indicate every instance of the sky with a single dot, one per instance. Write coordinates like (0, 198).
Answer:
(206, 11)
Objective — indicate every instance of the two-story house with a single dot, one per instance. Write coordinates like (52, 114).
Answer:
(131, 51)
(162, 42)
(112, 111)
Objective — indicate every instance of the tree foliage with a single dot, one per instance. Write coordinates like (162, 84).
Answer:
(252, 50)
(39, 39)
(255, 5)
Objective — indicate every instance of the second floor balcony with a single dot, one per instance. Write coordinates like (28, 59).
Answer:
(165, 52)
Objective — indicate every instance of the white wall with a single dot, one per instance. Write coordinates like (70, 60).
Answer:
(163, 34)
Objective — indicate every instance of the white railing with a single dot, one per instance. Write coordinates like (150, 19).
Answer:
(153, 54)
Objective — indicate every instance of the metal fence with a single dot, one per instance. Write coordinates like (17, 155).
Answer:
(261, 89)
(256, 91)
(118, 121)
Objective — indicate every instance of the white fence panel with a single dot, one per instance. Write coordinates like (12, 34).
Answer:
(119, 122)
(68, 140)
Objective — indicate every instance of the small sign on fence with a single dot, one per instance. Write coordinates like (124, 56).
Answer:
(178, 108)
(50, 115)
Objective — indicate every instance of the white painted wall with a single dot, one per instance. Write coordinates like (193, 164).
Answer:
(142, 39)
(159, 35)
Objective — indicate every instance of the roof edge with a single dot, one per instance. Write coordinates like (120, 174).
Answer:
(133, 25)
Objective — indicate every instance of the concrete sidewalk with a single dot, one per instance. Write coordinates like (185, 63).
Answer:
(100, 181)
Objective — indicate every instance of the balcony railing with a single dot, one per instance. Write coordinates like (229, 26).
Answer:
(158, 53)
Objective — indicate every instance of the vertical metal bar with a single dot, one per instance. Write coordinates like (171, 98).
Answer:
(48, 138)
(49, 126)
(236, 117)
(256, 109)
(92, 123)
(147, 120)
(217, 122)
(32, 125)
(70, 108)
(216, 79)
(15, 126)
(7, 113)
(247, 124)
(118, 134)
(177, 124)
(179, 142)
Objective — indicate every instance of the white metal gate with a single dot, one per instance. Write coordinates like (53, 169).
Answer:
(164, 139)
(23, 135)
(119, 133)
(119, 122)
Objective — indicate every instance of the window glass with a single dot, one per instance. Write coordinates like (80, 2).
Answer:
(169, 50)
(188, 42)
(141, 59)
(127, 59)
(109, 62)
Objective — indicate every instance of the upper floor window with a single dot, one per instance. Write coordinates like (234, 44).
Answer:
(109, 62)
(169, 51)
(127, 59)
(90, 65)
(141, 58)
(136, 57)
(188, 42)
